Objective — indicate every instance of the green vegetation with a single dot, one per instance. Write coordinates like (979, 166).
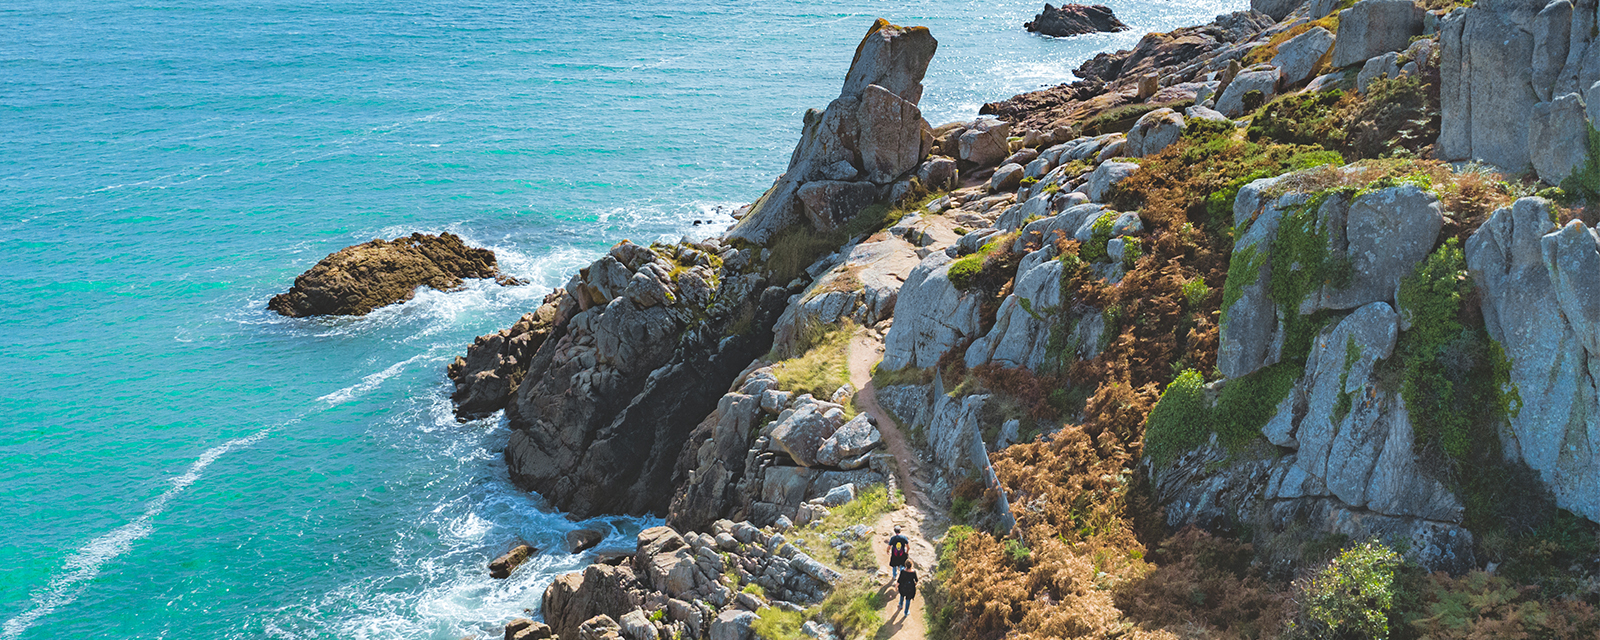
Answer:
(1351, 597)
(1132, 250)
(1585, 180)
(963, 272)
(1266, 52)
(1095, 249)
(1180, 421)
(853, 607)
(1392, 118)
(869, 505)
(1122, 118)
(801, 245)
(1352, 352)
(773, 623)
(1246, 404)
(1455, 381)
(755, 590)
(1243, 270)
(824, 361)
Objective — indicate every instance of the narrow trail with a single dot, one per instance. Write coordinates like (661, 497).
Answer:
(918, 518)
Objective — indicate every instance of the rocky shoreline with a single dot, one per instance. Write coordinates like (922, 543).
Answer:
(1276, 288)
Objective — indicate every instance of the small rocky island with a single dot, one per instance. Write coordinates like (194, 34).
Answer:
(355, 280)
(1074, 20)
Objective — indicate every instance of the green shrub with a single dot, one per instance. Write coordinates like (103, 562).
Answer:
(1302, 118)
(1246, 404)
(1195, 292)
(1132, 249)
(1180, 420)
(755, 590)
(1455, 381)
(1351, 596)
(1095, 249)
(963, 272)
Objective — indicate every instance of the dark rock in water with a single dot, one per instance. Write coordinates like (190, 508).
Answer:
(355, 280)
(493, 368)
(583, 540)
(502, 566)
(1075, 20)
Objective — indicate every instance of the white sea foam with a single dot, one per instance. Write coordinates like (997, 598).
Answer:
(84, 565)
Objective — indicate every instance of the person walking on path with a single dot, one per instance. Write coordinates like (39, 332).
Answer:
(899, 553)
(908, 587)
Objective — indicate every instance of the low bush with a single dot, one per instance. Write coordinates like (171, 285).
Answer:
(1180, 421)
(1206, 582)
(1351, 596)
(1483, 605)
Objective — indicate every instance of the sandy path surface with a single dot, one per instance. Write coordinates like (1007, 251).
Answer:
(913, 517)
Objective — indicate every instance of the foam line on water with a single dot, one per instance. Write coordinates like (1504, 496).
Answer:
(84, 565)
(369, 382)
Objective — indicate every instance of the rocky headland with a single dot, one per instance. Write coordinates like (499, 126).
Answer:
(1278, 326)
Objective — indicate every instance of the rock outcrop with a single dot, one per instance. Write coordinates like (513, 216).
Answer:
(673, 586)
(355, 280)
(1074, 20)
(736, 470)
(852, 153)
(1516, 77)
(488, 376)
(1539, 304)
(641, 344)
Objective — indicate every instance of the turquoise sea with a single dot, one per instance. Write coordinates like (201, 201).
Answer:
(177, 462)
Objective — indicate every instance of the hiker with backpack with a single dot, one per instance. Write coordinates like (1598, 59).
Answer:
(899, 553)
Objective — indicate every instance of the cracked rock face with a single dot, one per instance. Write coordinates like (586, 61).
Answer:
(931, 317)
(633, 359)
(868, 139)
(1527, 269)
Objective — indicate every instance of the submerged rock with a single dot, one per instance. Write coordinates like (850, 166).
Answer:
(355, 280)
(502, 566)
(1075, 20)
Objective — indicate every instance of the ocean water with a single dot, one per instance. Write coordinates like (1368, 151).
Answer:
(177, 462)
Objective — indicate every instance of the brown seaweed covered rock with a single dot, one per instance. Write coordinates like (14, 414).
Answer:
(1075, 20)
(355, 280)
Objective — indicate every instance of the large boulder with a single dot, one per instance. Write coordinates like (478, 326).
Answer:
(855, 438)
(500, 568)
(1558, 137)
(601, 627)
(930, 317)
(1100, 181)
(575, 598)
(1249, 322)
(1526, 267)
(1153, 132)
(985, 142)
(1486, 94)
(1383, 234)
(733, 624)
(1074, 20)
(1372, 27)
(801, 430)
(1278, 9)
(355, 280)
(1298, 57)
(1234, 101)
(872, 135)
